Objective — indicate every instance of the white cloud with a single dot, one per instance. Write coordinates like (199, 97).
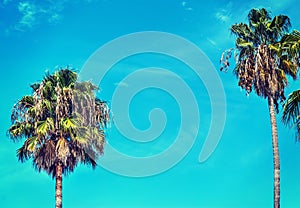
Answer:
(224, 14)
(212, 41)
(185, 6)
(55, 18)
(223, 17)
(29, 12)
(121, 84)
(34, 12)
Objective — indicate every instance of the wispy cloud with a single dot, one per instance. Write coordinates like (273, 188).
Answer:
(34, 12)
(212, 41)
(121, 84)
(186, 6)
(223, 17)
(55, 18)
(29, 12)
(224, 14)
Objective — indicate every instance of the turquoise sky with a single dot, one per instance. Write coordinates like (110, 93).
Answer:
(36, 36)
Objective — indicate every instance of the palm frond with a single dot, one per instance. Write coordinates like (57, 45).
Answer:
(294, 36)
(243, 31)
(257, 16)
(279, 26)
(22, 153)
(289, 67)
(291, 108)
(19, 130)
(45, 127)
(240, 42)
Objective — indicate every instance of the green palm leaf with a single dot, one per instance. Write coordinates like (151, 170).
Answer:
(44, 127)
(291, 108)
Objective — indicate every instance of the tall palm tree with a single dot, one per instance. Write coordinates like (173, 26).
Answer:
(62, 123)
(265, 54)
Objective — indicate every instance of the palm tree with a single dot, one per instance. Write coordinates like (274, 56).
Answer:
(265, 54)
(62, 123)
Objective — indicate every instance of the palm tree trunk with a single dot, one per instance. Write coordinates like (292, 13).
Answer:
(276, 159)
(58, 186)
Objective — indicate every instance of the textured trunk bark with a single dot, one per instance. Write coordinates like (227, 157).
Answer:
(276, 159)
(58, 186)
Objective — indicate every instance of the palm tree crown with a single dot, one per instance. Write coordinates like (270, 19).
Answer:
(62, 123)
(265, 54)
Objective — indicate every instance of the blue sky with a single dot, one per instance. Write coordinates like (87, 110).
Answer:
(36, 36)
